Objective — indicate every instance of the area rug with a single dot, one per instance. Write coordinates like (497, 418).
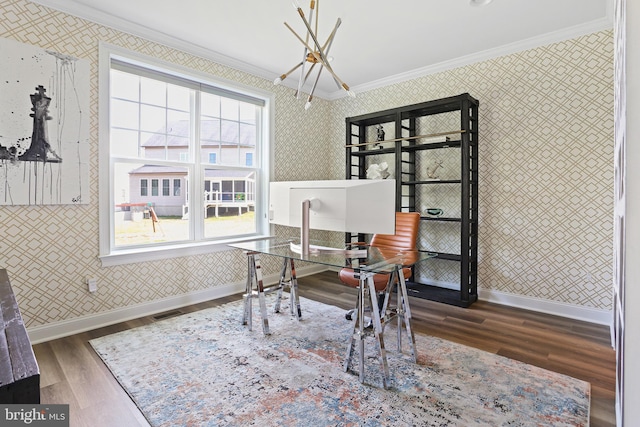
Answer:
(206, 369)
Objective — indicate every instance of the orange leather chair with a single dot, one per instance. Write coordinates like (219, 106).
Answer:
(405, 237)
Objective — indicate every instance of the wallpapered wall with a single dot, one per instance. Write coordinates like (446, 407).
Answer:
(546, 164)
(50, 251)
(546, 175)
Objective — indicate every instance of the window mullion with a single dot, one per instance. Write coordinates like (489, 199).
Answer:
(238, 149)
(140, 154)
(260, 165)
(196, 207)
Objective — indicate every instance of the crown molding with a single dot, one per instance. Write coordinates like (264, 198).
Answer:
(605, 23)
(81, 11)
(74, 8)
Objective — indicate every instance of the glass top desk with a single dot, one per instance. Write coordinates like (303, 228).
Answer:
(366, 261)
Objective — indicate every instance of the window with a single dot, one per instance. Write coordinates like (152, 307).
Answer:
(171, 127)
(176, 187)
(154, 187)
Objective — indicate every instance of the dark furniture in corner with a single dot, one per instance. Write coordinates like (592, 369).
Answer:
(19, 372)
(415, 138)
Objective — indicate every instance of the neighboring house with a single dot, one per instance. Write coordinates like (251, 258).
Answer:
(222, 142)
(165, 187)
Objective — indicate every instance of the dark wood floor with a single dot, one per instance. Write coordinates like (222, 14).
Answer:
(72, 373)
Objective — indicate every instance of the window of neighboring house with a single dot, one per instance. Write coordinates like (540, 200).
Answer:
(154, 187)
(176, 187)
(179, 122)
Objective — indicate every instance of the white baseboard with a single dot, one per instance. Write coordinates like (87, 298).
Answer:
(51, 331)
(592, 315)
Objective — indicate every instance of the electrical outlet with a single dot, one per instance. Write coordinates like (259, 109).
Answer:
(92, 285)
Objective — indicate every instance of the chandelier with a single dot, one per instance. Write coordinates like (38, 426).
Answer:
(314, 54)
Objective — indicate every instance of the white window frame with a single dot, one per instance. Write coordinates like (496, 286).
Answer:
(109, 255)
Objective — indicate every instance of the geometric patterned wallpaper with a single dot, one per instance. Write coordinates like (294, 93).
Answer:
(546, 179)
(545, 164)
(50, 251)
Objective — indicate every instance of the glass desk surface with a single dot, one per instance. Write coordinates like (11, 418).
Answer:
(377, 260)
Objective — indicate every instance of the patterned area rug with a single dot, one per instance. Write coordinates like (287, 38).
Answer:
(206, 369)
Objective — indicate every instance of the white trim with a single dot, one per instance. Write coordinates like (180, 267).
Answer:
(102, 18)
(55, 330)
(51, 331)
(156, 253)
(592, 315)
(110, 257)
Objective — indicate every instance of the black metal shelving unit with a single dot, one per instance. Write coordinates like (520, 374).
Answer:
(404, 150)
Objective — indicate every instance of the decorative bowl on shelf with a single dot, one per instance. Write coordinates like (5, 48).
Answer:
(434, 212)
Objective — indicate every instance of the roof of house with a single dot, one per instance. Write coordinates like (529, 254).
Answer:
(209, 173)
(178, 131)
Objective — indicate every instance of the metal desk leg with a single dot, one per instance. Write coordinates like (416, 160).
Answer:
(356, 333)
(295, 310)
(402, 310)
(406, 312)
(255, 273)
(293, 289)
(361, 310)
(384, 314)
(379, 333)
(247, 314)
(367, 287)
(281, 285)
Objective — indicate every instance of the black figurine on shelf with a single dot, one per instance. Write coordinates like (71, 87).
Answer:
(380, 135)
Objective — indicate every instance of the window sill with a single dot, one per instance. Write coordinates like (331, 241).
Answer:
(132, 256)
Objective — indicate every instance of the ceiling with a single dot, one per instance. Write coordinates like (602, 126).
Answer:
(379, 42)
